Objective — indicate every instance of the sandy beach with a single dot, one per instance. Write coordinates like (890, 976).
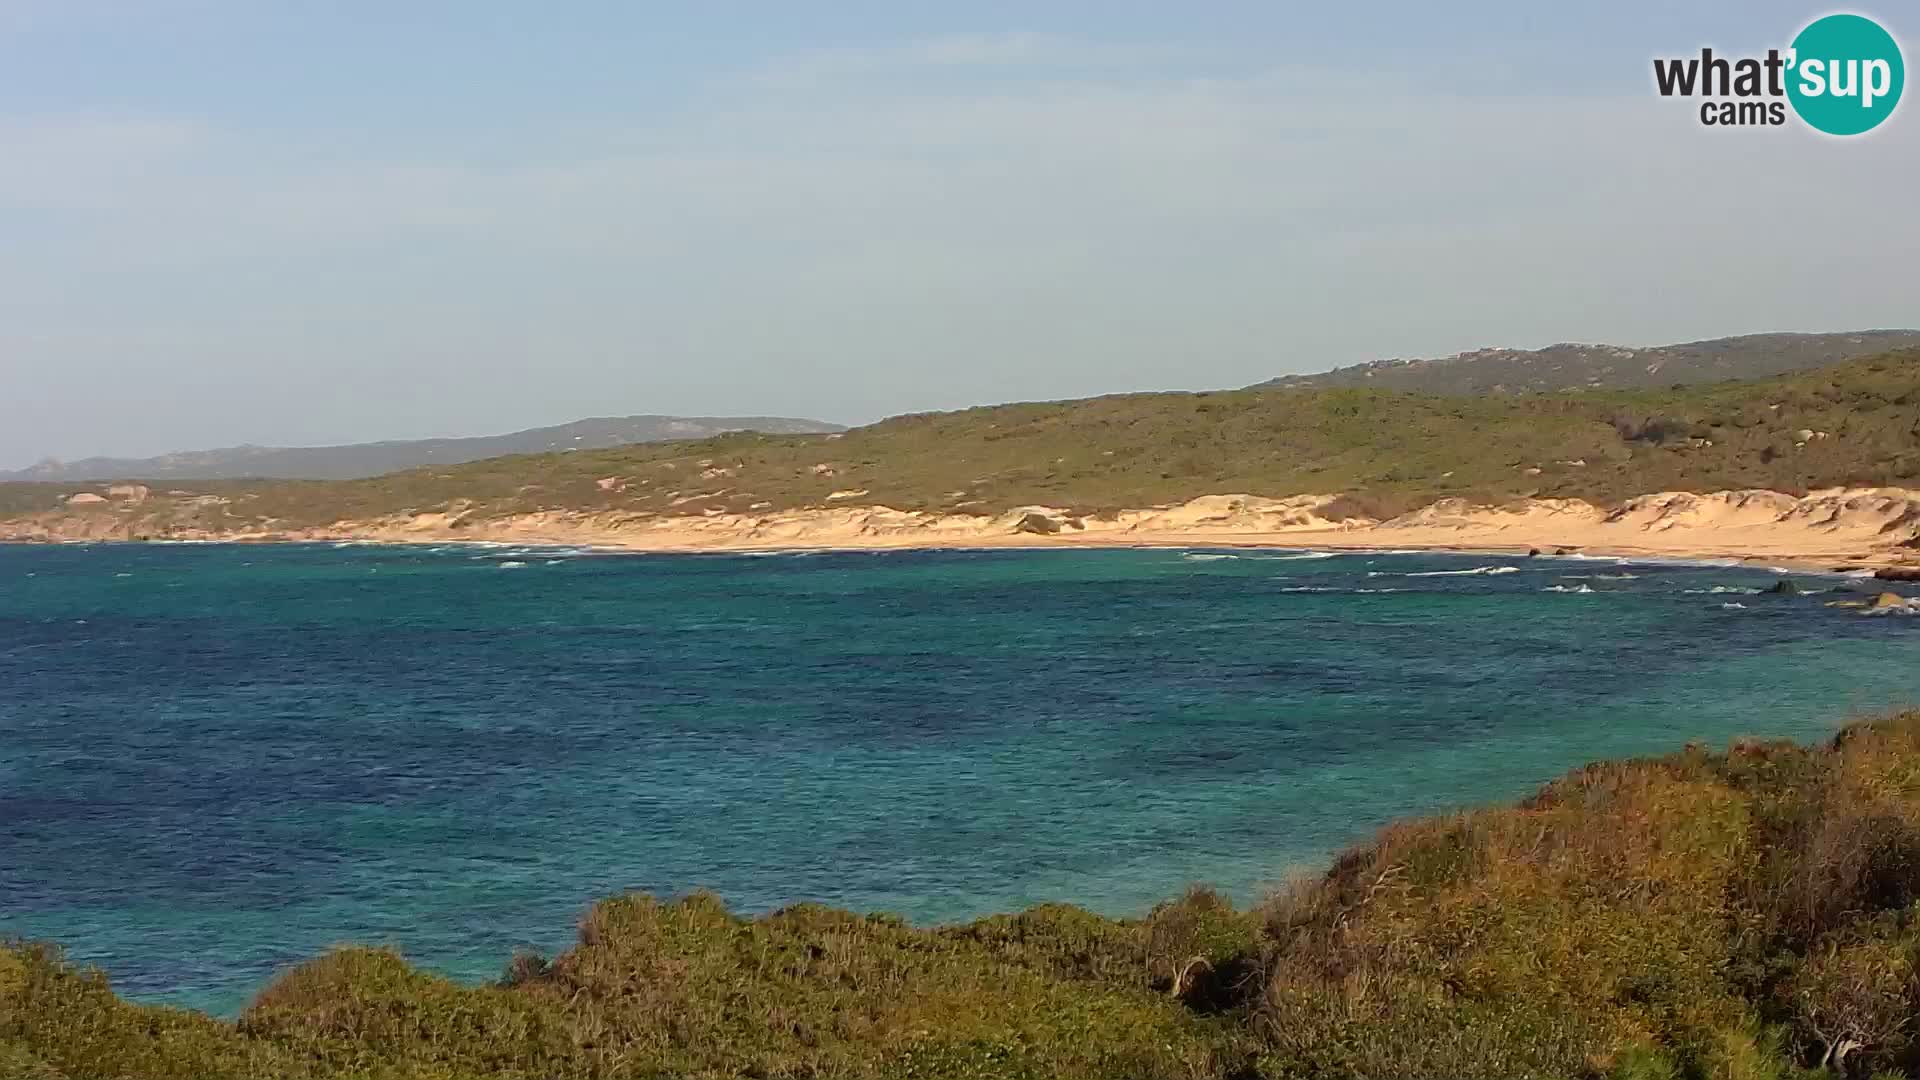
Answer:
(1841, 528)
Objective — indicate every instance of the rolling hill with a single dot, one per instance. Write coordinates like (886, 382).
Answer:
(372, 459)
(1571, 367)
(1855, 424)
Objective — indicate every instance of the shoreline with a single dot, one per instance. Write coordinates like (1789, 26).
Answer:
(1796, 564)
(1831, 531)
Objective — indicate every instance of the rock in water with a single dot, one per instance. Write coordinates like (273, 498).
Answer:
(1898, 573)
(1888, 600)
(1783, 587)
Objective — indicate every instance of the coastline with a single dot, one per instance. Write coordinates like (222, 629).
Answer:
(1834, 530)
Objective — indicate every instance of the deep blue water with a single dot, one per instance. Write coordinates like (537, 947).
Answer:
(216, 761)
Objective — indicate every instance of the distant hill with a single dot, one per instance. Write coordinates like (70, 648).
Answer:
(1565, 367)
(372, 459)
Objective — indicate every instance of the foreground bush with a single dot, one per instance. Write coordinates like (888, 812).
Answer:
(1746, 915)
(686, 989)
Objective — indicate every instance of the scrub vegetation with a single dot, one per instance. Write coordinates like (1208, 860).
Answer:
(1568, 366)
(1747, 914)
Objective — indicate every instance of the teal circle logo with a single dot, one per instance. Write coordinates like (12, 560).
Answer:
(1845, 75)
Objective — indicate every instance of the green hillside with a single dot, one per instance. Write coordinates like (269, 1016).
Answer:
(1573, 367)
(1855, 423)
(1750, 916)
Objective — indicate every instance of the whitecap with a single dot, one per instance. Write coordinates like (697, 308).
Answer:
(1733, 605)
(512, 564)
(1682, 562)
(1583, 587)
(1206, 556)
(1294, 555)
(1721, 590)
(1333, 589)
(1460, 573)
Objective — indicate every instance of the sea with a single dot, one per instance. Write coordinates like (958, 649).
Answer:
(217, 761)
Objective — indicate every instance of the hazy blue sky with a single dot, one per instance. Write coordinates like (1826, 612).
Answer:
(226, 221)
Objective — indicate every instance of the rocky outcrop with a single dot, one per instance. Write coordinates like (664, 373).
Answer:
(1893, 604)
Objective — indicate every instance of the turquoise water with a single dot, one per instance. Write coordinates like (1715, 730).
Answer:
(216, 761)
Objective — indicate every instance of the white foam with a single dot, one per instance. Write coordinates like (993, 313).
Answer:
(1583, 587)
(1206, 556)
(1675, 560)
(1478, 570)
(1720, 590)
(512, 564)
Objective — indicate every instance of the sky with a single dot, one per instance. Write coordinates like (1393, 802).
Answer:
(286, 223)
